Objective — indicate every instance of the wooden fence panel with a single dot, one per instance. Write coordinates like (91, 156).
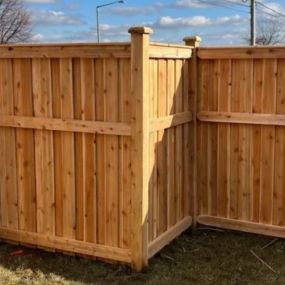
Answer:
(73, 187)
(241, 157)
(169, 161)
(100, 153)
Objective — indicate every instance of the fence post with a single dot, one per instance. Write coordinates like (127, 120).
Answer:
(140, 144)
(193, 73)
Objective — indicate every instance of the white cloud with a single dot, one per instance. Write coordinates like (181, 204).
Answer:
(236, 19)
(196, 21)
(190, 4)
(109, 33)
(37, 38)
(53, 18)
(139, 10)
(204, 4)
(169, 22)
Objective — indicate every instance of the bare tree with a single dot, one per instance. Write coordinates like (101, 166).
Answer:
(270, 32)
(15, 22)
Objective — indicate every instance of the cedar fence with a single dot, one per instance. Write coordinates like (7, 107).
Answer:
(76, 152)
(113, 150)
(241, 139)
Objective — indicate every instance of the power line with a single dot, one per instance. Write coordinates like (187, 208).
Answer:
(223, 6)
(265, 12)
(273, 10)
(236, 3)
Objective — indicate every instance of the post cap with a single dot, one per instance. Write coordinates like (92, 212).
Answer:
(141, 30)
(193, 41)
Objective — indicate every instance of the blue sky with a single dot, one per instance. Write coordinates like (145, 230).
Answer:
(220, 22)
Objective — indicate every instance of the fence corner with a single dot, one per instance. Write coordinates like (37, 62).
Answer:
(193, 67)
(140, 37)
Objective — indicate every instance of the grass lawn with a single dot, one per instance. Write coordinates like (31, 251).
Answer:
(205, 257)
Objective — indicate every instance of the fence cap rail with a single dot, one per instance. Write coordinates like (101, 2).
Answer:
(242, 52)
(157, 44)
(66, 50)
(81, 44)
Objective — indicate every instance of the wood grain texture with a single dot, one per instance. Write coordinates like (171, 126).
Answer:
(101, 149)
(140, 145)
(93, 151)
(28, 51)
(44, 160)
(242, 53)
(23, 105)
(250, 143)
(8, 167)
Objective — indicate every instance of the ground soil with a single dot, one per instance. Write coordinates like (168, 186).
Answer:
(200, 258)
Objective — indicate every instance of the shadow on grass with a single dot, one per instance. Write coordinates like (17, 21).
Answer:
(206, 257)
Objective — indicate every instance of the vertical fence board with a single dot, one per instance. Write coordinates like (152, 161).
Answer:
(85, 145)
(212, 139)
(244, 135)
(68, 167)
(80, 151)
(44, 160)
(171, 197)
(25, 145)
(188, 144)
(179, 140)
(125, 191)
(8, 169)
(279, 168)
(161, 149)
(267, 143)
(223, 144)
(153, 187)
(255, 143)
(235, 147)
(100, 91)
(58, 179)
(64, 150)
(202, 138)
(112, 157)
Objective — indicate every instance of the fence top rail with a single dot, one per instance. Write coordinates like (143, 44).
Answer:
(63, 44)
(156, 44)
(78, 50)
(269, 52)
(169, 51)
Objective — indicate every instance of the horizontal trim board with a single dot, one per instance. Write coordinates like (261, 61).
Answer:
(65, 51)
(79, 126)
(167, 56)
(169, 52)
(241, 118)
(243, 226)
(64, 244)
(241, 52)
(164, 239)
(170, 121)
(157, 44)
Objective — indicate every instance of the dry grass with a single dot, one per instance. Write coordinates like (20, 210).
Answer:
(206, 257)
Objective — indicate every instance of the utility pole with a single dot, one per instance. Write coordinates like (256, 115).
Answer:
(253, 22)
